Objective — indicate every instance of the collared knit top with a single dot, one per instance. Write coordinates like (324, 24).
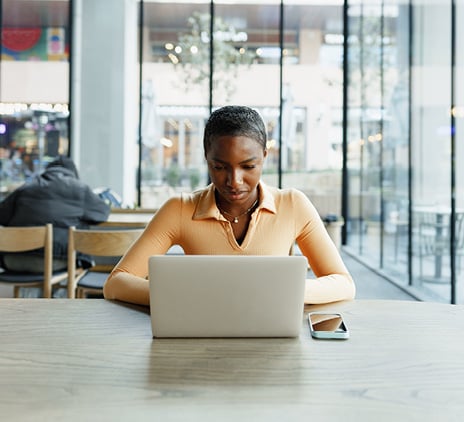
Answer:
(283, 217)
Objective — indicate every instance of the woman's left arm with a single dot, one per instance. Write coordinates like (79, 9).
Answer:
(333, 281)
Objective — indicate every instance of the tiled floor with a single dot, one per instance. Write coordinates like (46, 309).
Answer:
(370, 285)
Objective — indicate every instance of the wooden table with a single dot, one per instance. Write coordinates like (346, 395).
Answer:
(94, 360)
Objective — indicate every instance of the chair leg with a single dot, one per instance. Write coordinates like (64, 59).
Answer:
(17, 291)
(47, 292)
(421, 269)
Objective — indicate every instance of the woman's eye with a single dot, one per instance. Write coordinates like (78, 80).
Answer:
(218, 167)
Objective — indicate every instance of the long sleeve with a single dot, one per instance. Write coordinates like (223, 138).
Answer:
(333, 281)
(95, 209)
(194, 222)
(7, 207)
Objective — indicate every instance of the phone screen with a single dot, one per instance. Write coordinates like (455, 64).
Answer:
(327, 325)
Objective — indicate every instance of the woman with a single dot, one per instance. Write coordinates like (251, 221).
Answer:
(235, 214)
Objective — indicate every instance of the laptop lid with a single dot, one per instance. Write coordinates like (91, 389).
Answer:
(226, 295)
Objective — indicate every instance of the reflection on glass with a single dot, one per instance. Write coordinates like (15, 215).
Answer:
(34, 107)
(400, 143)
(175, 74)
(246, 54)
(312, 95)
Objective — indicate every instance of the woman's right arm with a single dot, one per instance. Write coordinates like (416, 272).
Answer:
(128, 281)
(127, 288)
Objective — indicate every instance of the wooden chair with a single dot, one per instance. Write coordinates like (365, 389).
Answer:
(109, 243)
(459, 240)
(23, 239)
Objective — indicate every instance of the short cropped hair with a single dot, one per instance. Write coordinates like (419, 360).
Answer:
(234, 121)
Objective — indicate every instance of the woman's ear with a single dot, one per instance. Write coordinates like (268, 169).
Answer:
(265, 153)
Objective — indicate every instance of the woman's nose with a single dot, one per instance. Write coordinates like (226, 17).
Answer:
(235, 178)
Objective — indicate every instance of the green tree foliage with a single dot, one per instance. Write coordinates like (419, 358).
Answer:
(228, 48)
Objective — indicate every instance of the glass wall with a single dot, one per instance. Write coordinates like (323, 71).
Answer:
(431, 144)
(312, 98)
(371, 45)
(378, 133)
(404, 129)
(175, 97)
(34, 87)
(458, 149)
(402, 141)
(285, 60)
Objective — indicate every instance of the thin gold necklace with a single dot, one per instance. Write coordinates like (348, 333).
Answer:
(236, 218)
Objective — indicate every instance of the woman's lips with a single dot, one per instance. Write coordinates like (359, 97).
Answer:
(235, 195)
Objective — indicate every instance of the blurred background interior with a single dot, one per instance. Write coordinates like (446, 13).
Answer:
(363, 101)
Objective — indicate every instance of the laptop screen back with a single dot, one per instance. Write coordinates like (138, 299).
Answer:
(226, 295)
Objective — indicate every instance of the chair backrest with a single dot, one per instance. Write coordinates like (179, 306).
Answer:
(23, 239)
(97, 243)
(460, 232)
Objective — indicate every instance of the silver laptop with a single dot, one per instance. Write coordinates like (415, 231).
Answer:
(226, 295)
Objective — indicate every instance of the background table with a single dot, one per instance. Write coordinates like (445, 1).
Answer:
(96, 360)
(437, 218)
(128, 219)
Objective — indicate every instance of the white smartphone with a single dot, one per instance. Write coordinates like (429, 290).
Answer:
(327, 325)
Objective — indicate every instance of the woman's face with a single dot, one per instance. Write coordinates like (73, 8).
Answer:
(235, 164)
